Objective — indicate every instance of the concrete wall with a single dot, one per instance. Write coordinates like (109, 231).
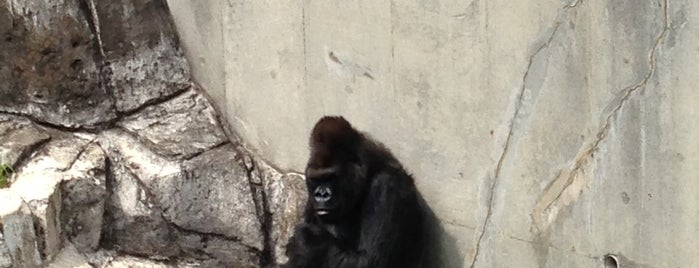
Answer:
(541, 133)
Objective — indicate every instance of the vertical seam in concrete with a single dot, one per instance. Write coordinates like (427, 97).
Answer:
(510, 134)
(305, 53)
(393, 48)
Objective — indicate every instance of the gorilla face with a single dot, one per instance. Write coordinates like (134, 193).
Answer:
(333, 190)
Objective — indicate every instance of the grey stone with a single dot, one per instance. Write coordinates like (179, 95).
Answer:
(59, 154)
(135, 222)
(69, 257)
(224, 252)
(112, 259)
(64, 157)
(48, 68)
(84, 193)
(159, 207)
(286, 197)
(38, 186)
(143, 59)
(214, 197)
(5, 256)
(181, 127)
(18, 138)
(19, 237)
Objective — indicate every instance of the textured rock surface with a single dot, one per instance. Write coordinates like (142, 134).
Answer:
(83, 62)
(137, 225)
(213, 200)
(5, 256)
(84, 193)
(48, 64)
(19, 237)
(182, 127)
(541, 133)
(117, 153)
(285, 198)
(69, 256)
(38, 183)
(159, 207)
(18, 138)
(142, 54)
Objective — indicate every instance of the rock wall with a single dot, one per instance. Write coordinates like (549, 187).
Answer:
(541, 133)
(119, 159)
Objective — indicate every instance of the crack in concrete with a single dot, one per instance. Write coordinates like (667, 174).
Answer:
(393, 46)
(551, 246)
(305, 46)
(586, 153)
(574, 4)
(518, 105)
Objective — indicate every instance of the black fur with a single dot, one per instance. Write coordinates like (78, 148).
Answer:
(373, 217)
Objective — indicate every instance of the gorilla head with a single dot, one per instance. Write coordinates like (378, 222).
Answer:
(335, 176)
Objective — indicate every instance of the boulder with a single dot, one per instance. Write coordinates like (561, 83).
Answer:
(18, 138)
(179, 128)
(285, 198)
(135, 222)
(37, 182)
(19, 237)
(143, 59)
(84, 193)
(48, 64)
(214, 197)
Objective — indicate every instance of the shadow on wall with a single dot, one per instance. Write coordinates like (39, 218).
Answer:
(440, 246)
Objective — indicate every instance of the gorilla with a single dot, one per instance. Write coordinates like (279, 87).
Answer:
(363, 209)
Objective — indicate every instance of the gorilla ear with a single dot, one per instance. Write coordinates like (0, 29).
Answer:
(333, 138)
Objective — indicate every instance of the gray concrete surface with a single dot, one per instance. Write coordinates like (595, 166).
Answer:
(541, 133)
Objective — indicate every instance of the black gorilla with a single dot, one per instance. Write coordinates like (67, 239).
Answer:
(363, 209)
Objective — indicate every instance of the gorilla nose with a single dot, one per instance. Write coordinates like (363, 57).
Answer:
(322, 194)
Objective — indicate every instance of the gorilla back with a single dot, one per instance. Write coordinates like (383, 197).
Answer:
(363, 209)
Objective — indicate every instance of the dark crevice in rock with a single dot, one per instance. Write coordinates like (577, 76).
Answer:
(40, 236)
(155, 101)
(94, 129)
(77, 156)
(25, 156)
(23, 160)
(88, 7)
(107, 217)
(89, 11)
(207, 236)
(224, 143)
(263, 211)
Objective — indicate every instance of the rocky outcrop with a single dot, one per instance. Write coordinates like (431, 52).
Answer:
(119, 160)
(50, 67)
